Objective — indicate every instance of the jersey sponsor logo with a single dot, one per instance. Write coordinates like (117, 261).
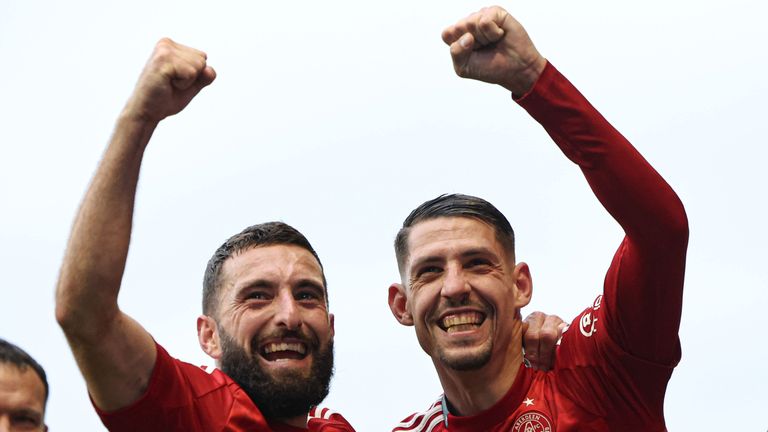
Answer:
(587, 322)
(598, 302)
(532, 421)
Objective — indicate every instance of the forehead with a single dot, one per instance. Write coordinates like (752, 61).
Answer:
(271, 262)
(21, 388)
(443, 235)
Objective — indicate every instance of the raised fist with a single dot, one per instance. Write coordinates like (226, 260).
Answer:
(491, 46)
(172, 77)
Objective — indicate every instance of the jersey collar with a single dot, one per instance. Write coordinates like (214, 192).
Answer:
(496, 414)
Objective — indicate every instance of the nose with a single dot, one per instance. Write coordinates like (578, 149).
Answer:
(455, 285)
(5, 423)
(288, 313)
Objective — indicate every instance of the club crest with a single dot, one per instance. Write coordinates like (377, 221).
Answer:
(532, 421)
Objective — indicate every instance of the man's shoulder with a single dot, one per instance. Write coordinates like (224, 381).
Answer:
(424, 421)
(200, 380)
(322, 419)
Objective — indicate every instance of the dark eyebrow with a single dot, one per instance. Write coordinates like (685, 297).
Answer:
(254, 284)
(465, 254)
(308, 282)
(478, 251)
(427, 260)
(28, 412)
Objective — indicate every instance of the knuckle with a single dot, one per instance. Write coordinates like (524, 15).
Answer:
(163, 53)
(554, 318)
(165, 42)
(534, 316)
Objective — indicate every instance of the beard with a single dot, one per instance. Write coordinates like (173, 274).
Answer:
(285, 395)
(469, 361)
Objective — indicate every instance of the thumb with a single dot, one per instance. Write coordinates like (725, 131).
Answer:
(461, 50)
(205, 78)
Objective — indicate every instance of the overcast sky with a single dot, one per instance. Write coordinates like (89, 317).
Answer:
(339, 117)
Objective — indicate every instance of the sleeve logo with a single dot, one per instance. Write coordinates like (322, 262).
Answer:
(587, 322)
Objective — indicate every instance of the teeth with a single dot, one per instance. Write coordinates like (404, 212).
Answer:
(463, 319)
(276, 347)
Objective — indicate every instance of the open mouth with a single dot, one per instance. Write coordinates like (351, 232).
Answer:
(461, 321)
(276, 351)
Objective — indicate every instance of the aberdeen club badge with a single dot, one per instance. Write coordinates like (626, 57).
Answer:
(532, 421)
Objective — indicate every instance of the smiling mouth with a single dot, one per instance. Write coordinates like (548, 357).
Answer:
(277, 351)
(463, 321)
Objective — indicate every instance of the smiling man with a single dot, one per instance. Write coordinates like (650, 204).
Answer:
(265, 307)
(462, 287)
(23, 391)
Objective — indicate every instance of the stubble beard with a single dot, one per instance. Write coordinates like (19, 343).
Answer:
(467, 361)
(288, 394)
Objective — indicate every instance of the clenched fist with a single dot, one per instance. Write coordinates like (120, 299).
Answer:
(541, 335)
(172, 77)
(491, 46)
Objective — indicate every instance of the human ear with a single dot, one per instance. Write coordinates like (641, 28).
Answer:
(208, 336)
(398, 304)
(523, 284)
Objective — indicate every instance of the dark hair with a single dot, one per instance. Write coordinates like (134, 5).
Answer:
(456, 205)
(10, 353)
(266, 234)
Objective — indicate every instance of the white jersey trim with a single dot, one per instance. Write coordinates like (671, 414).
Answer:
(424, 421)
(321, 413)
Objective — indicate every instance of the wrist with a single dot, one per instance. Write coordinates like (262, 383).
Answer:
(523, 81)
(134, 129)
(130, 114)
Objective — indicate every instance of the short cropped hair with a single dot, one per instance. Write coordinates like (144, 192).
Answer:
(455, 205)
(265, 234)
(11, 354)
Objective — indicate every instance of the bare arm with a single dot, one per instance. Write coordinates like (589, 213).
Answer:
(114, 353)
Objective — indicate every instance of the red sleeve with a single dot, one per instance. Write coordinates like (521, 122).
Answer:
(643, 288)
(170, 402)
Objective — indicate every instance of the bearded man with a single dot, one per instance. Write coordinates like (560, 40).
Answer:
(265, 307)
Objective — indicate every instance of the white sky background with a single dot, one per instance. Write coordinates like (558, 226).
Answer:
(339, 117)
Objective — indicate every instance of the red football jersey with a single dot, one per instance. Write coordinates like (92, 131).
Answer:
(184, 397)
(614, 362)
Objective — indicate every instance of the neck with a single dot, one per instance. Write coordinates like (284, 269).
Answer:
(471, 392)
